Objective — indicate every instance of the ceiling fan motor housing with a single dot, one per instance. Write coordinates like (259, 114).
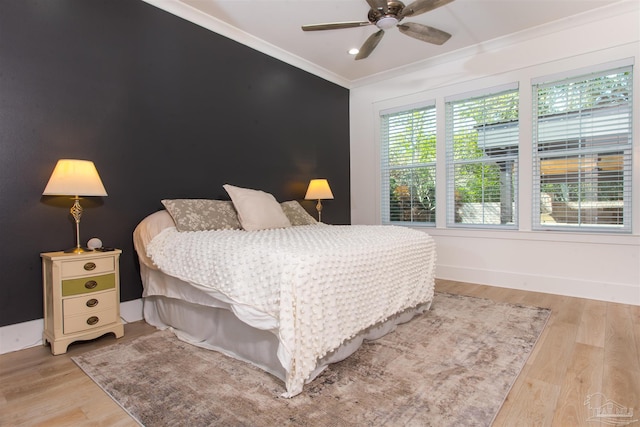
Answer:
(386, 20)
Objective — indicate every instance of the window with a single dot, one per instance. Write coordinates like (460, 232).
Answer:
(408, 145)
(482, 158)
(582, 152)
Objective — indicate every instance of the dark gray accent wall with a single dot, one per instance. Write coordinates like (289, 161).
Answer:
(165, 109)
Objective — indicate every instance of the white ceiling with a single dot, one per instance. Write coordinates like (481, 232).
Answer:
(273, 27)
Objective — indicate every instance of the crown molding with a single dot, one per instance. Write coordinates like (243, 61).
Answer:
(620, 8)
(182, 10)
(222, 28)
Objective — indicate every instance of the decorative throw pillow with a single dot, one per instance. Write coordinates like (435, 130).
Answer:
(256, 209)
(202, 214)
(297, 214)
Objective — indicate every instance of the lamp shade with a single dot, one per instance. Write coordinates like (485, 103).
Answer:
(73, 177)
(318, 189)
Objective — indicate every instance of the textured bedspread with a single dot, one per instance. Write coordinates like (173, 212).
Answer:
(320, 284)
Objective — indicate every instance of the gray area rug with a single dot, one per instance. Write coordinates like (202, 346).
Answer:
(451, 366)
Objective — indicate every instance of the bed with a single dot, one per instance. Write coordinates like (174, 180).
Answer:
(288, 295)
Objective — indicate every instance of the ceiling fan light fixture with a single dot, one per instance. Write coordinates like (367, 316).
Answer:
(354, 51)
(386, 22)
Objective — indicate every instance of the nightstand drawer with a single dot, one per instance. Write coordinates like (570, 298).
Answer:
(82, 322)
(89, 303)
(84, 285)
(89, 266)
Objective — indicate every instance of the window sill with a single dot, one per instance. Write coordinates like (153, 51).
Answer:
(543, 236)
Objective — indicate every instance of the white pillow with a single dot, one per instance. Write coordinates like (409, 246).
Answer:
(256, 209)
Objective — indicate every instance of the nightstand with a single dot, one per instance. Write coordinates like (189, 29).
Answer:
(81, 297)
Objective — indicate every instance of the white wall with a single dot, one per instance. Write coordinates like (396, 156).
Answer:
(596, 266)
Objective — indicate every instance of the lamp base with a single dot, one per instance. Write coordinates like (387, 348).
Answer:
(319, 209)
(77, 250)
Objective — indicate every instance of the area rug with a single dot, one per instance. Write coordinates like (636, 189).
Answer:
(451, 366)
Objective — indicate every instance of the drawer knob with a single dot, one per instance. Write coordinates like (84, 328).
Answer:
(92, 320)
(89, 266)
(92, 302)
(91, 284)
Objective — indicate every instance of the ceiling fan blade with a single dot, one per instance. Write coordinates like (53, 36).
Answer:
(370, 44)
(424, 33)
(335, 25)
(379, 4)
(421, 6)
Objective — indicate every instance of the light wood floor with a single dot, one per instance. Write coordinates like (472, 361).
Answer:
(587, 347)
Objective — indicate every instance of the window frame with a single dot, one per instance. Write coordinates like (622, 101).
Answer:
(485, 160)
(386, 168)
(583, 152)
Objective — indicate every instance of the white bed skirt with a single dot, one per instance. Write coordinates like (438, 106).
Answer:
(220, 330)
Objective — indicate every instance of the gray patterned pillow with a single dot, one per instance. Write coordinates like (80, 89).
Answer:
(297, 214)
(202, 214)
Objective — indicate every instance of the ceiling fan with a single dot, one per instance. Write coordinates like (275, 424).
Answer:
(386, 14)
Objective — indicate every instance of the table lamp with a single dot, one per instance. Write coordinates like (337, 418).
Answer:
(75, 178)
(318, 190)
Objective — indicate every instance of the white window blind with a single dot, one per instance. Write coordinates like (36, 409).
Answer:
(408, 157)
(582, 145)
(482, 159)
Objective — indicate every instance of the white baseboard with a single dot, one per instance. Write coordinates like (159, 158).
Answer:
(29, 334)
(21, 335)
(131, 311)
(610, 292)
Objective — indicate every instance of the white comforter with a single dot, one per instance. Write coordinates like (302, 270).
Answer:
(319, 285)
